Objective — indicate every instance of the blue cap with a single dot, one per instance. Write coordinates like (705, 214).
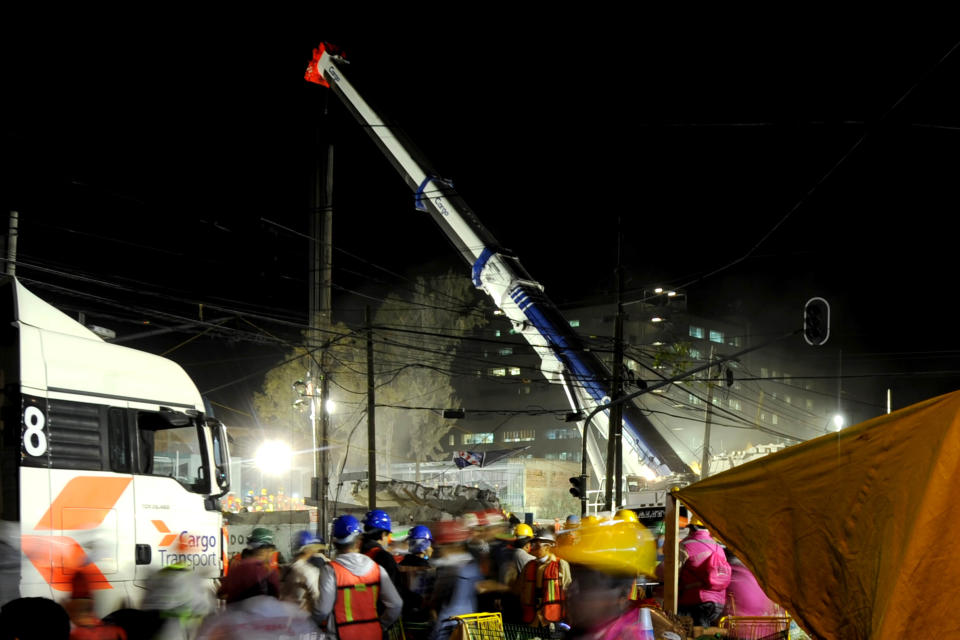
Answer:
(345, 529)
(377, 519)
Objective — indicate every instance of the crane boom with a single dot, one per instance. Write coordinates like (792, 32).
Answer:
(563, 360)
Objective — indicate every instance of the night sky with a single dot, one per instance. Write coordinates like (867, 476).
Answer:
(755, 161)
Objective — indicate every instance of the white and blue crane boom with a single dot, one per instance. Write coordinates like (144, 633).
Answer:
(563, 360)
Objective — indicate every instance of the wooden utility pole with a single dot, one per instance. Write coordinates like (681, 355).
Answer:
(705, 461)
(12, 232)
(321, 312)
(615, 428)
(371, 421)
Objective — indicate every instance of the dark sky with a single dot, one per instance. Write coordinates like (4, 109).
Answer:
(815, 154)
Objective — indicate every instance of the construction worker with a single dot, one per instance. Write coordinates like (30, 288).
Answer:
(352, 586)
(377, 536)
(523, 541)
(458, 576)
(543, 584)
(300, 580)
(260, 550)
(605, 562)
(417, 574)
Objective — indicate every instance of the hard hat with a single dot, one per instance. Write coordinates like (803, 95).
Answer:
(523, 531)
(589, 521)
(626, 515)
(545, 537)
(260, 537)
(618, 548)
(377, 519)
(420, 532)
(450, 532)
(572, 522)
(304, 538)
(345, 529)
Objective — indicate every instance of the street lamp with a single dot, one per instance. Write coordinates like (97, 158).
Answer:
(274, 457)
(838, 421)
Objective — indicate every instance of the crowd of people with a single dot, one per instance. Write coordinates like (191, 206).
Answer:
(579, 580)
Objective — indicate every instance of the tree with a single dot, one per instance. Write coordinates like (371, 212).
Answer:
(420, 331)
(416, 335)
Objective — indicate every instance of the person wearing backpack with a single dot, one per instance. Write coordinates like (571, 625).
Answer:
(704, 577)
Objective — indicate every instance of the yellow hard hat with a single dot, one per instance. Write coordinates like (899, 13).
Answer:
(589, 521)
(619, 548)
(523, 531)
(626, 515)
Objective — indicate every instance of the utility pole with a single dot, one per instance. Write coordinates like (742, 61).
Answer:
(12, 233)
(321, 310)
(615, 429)
(371, 421)
(705, 461)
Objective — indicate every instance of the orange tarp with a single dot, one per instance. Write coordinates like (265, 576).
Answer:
(853, 533)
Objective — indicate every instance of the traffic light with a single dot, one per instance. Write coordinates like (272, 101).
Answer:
(816, 321)
(579, 488)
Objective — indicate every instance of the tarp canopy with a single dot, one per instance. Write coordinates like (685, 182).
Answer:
(853, 532)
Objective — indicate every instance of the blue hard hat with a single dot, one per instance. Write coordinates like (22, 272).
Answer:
(303, 538)
(420, 532)
(377, 519)
(345, 529)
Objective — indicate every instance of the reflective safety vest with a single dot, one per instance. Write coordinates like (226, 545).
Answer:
(548, 598)
(356, 608)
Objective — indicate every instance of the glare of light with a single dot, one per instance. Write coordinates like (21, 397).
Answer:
(658, 290)
(331, 406)
(838, 422)
(658, 344)
(647, 473)
(273, 457)
(656, 319)
(670, 294)
(497, 312)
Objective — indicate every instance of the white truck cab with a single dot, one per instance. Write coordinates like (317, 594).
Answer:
(108, 461)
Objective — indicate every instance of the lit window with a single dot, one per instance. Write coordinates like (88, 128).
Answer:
(788, 399)
(696, 332)
(520, 435)
(763, 417)
(773, 418)
(477, 438)
(716, 336)
(452, 440)
(496, 333)
(506, 351)
(716, 401)
(735, 404)
(733, 341)
(514, 371)
(764, 373)
(574, 323)
(809, 404)
(695, 354)
(692, 399)
(499, 372)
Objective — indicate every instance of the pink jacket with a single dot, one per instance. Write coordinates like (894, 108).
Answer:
(706, 573)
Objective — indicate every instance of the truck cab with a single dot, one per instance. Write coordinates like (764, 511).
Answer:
(109, 463)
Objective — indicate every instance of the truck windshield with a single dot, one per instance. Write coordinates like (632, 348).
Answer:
(174, 452)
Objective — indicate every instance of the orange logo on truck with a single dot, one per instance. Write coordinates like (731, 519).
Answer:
(82, 504)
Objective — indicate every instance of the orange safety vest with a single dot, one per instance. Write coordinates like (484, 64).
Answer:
(356, 608)
(551, 599)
